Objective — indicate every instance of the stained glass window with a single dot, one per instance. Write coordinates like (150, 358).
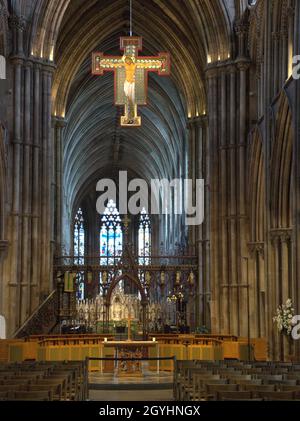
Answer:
(111, 236)
(79, 250)
(144, 238)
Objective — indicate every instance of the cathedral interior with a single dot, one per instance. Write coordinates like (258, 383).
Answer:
(226, 113)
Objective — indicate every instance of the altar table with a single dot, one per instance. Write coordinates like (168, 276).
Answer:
(131, 349)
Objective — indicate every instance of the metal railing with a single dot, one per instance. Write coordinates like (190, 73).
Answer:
(132, 359)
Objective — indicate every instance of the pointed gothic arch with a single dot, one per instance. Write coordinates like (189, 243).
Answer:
(144, 300)
(79, 249)
(129, 277)
(257, 225)
(144, 237)
(281, 258)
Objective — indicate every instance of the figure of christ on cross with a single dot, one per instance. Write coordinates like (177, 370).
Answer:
(131, 76)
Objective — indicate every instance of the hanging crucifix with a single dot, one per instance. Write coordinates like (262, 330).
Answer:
(131, 76)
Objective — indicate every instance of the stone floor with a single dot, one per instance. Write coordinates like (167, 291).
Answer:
(105, 387)
(148, 378)
(130, 395)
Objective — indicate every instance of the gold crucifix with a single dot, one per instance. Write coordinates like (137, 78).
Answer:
(131, 73)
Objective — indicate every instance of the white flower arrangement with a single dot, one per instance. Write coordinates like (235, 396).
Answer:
(284, 317)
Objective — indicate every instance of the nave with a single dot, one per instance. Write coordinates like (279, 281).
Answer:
(149, 199)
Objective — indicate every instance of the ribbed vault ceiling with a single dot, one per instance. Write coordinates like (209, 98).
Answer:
(94, 144)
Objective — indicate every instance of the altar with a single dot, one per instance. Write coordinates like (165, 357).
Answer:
(131, 349)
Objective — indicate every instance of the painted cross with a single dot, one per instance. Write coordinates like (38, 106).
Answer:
(131, 76)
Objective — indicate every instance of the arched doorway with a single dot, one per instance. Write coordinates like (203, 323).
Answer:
(144, 299)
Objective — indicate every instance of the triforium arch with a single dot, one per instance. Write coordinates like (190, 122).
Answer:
(144, 299)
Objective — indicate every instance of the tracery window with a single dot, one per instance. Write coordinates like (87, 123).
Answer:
(111, 235)
(79, 250)
(144, 238)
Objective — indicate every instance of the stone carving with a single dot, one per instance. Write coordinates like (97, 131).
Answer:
(43, 320)
(122, 306)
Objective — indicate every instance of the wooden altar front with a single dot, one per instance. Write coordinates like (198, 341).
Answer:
(131, 349)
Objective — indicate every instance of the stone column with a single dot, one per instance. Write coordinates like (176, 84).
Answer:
(261, 289)
(15, 222)
(258, 289)
(203, 230)
(29, 264)
(291, 37)
(242, 62)
(227, 183)
(286, 278)
(276, 67)
(213, 181)
(241, 27)
(26, 198)
(199, 127)
(59, 125)
(281, 241)
(13, 263)
(47, 173)
(274, 298)
(232, 208)
(267, 86)
(3, 249)
(259, 85)
(242, 221)
(296, 165)
(223, 243)
(36, 188)
(192, 133)
(3, 290)
(284, 55)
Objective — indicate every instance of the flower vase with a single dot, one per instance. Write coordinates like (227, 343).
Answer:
(287, 347)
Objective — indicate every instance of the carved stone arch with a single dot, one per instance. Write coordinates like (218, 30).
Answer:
(126, 276)
(44, 28)
(144, 302)
(279, 12)
(256, 35)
